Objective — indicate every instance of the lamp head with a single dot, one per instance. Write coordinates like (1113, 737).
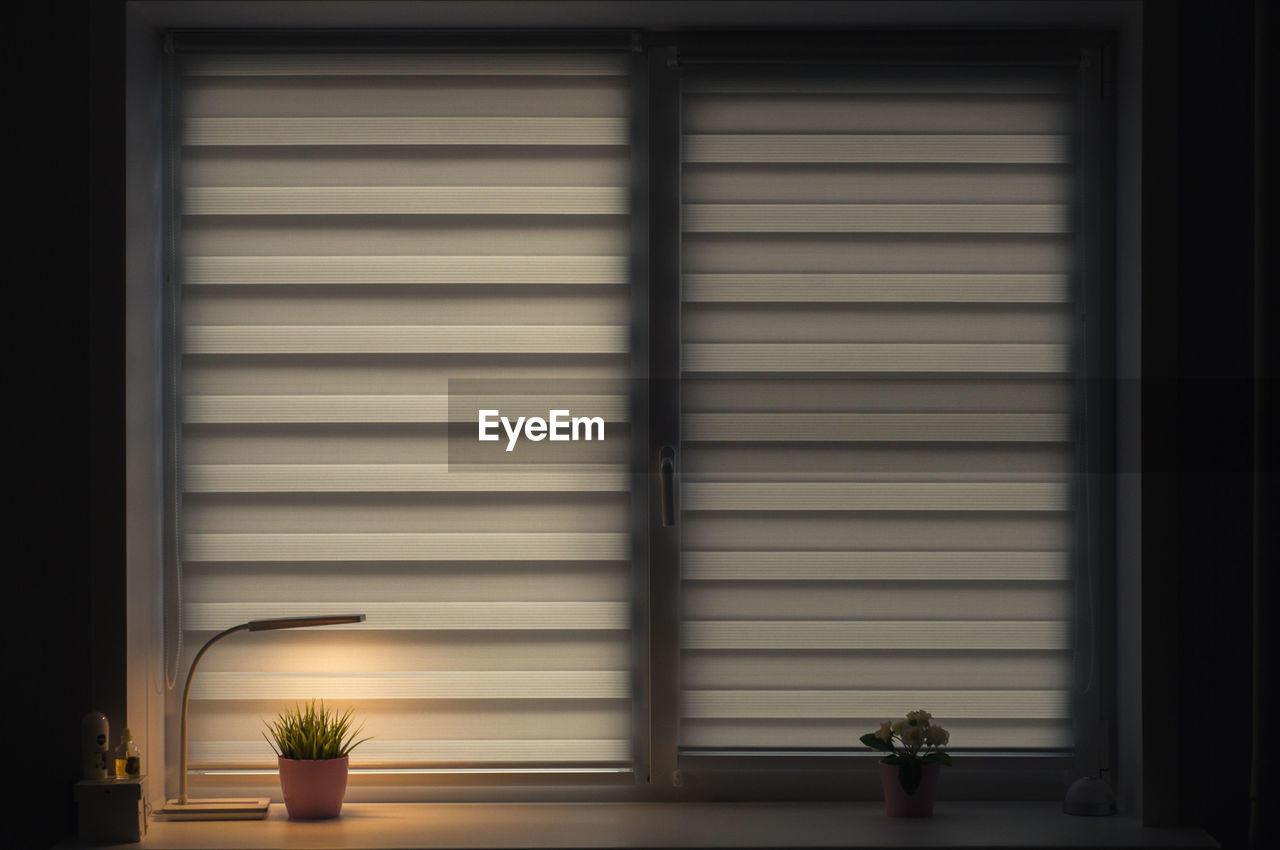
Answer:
(304, 622)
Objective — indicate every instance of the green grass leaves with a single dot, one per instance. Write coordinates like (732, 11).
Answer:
(309, 733)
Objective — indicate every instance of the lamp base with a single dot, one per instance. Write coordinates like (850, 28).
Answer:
(216, 808)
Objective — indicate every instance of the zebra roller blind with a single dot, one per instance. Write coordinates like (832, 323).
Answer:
(364, 238)
(878, 409)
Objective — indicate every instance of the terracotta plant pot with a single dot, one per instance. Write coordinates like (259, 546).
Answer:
(313, 789)
(898, 804)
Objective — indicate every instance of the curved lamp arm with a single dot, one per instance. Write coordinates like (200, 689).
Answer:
(251, 626)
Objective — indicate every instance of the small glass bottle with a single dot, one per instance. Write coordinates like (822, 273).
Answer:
(128, 757)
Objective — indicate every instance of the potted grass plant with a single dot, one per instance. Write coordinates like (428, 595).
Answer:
(913, 761)
(312, 745)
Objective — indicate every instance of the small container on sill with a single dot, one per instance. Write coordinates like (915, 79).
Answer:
(111, 810)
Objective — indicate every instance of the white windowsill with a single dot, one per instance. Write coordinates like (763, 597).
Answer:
(399, 826)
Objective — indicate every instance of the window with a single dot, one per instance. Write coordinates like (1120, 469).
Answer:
(845, 293)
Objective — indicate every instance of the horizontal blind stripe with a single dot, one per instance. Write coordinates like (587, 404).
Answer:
(932, 148)
(875, 218)
(490, 616)
(737, 734)
(1007, 704)
(370, 408)
(877, 288)
(872, 253)
(878, 427)
(876, 357)
(407, 546)
(416, 751)
(875, 394)
(1013, 669)
(806, 460)
(875, 635)
(875, 566)
(404, 131)
(851, 530)
(406, 339)
(399, 236)
(839, 183)
(821, 496)
(455, 97)
(401, 478)
(603, 270)
(507, 166)
(829, 113)
(405, 200)
(958, 81)
(409, 64)
(856, 324)
(418, 685)
(881, 600)
(362, 306)
(450, 581)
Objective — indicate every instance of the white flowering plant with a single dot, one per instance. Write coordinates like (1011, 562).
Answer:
(918, 742)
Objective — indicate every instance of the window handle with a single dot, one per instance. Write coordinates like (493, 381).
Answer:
(667, 476)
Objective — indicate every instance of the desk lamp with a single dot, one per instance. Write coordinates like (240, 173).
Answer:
(232, 808)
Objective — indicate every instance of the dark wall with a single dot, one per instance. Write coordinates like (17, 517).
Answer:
(66, 308)
(1198, 410)
(1198, 399)
(1264, 830)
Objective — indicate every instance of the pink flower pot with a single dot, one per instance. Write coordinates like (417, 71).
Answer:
(313, 789)
(898, 804)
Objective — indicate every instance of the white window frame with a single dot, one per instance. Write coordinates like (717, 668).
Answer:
(145, 281)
